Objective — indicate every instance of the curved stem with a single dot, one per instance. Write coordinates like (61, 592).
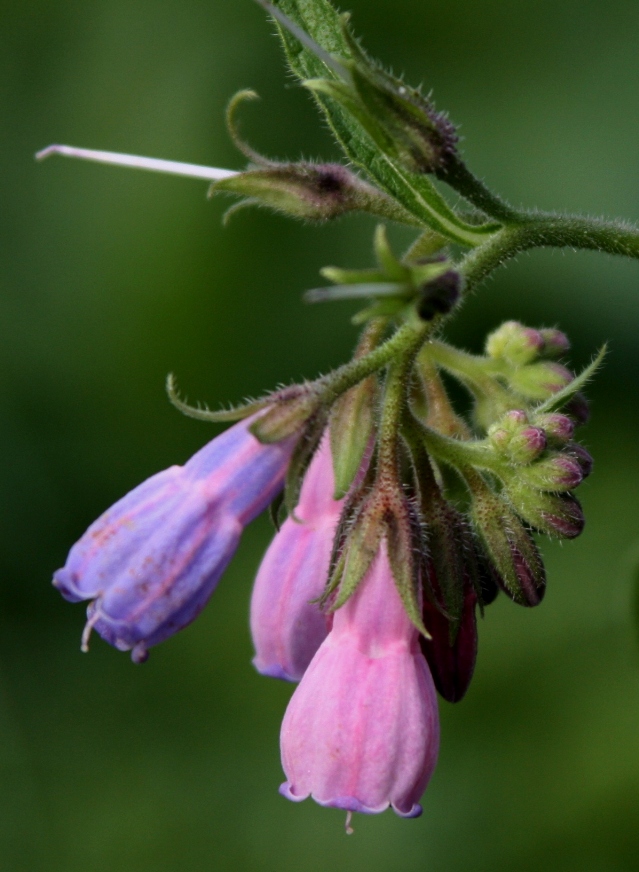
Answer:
(410, 335)
(546, 230)
(461, 179)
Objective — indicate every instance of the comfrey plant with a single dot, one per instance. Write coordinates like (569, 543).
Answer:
(404, 519)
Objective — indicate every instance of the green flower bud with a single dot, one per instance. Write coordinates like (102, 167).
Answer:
(315, 192)
(556, 343)
(553, 514)
(514, 343)
(515, 439)
(510, 547)
(558, 428)
(557, 472)
(539, 381)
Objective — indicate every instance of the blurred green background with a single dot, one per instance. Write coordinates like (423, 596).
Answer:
(110, 279)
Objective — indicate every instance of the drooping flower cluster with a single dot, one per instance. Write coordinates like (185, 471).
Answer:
(404, 519)
(368, 593)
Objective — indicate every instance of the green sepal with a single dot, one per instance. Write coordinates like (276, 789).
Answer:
(558, 400)
(555, 515)
(276, 510)
(427, 244)
(244, 96)
(353, 276)
(510, 547)
(286, 416)
(392, 307)
(351, 424)
(369, 290)
(360, 549)
(236, 413)
(301, 457)
(416, 193)
(386, 258)
(401, 557)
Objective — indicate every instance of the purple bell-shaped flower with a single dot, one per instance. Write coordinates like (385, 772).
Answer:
(150, 563)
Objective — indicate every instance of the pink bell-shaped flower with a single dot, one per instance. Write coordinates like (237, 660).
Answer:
(361, 731)
(287, 625)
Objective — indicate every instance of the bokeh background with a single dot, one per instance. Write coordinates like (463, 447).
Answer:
(110, 279)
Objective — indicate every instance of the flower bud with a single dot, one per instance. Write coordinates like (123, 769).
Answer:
(487, 576)
(557, 472)
(555, 342)
(539, 381)
(510, 548)
(451, 651)
(361, 731)
(287, 623)
(515, 439)
(553, 514)
(559, 429)
(514, 343)
(578, 408)
(439, 296)
(316, 192)
(152, 561)
(583, 457)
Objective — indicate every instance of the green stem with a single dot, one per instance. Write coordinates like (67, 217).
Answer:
(461, 453)
(471, 369)
(546, 230)
(459, 177)
(409, 336)
(393, 410)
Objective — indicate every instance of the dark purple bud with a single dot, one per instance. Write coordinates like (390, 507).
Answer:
(439, 296)
(578, 408)
(555, 344)
(553, 514)
(452, 651)
(583, 458)
(487, 576)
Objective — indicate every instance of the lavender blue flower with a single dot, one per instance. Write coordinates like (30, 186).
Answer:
(150, 563)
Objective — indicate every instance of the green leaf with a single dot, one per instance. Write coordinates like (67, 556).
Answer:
(561, 397)
(415, 193)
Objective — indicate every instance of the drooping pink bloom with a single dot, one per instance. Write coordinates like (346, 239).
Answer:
(361, 731)
(287, 626)
(150, 563)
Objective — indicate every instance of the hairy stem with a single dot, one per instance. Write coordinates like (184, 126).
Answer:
(545, 230)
